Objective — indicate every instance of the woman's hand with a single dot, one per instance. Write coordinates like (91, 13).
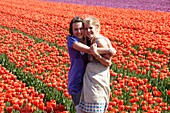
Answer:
(93, 49)
(105, 59)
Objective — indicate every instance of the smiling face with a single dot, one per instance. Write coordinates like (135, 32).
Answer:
(78, 30)
(92, 28)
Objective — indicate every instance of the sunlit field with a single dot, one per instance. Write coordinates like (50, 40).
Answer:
(34, 61)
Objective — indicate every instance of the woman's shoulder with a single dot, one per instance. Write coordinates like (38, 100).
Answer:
(100, 38)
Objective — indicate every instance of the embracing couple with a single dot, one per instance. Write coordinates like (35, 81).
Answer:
(90, 56)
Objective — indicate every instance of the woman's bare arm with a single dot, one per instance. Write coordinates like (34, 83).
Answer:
(81, 47)
(84, 48)
(105, 60)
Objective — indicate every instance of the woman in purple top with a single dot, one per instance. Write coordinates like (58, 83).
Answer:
(78, 48)
(78, 59)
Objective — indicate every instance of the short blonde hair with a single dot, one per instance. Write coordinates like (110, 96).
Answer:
(92, 20)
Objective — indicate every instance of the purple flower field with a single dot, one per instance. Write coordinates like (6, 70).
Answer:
(154, 5)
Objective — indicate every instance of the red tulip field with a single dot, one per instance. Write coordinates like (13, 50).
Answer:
(34, 60)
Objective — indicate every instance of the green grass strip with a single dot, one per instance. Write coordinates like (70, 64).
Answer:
(31, 81)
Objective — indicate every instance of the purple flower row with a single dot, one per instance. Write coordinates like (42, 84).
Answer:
(155, 5)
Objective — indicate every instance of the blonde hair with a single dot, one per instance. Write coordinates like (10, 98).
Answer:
(92, 20)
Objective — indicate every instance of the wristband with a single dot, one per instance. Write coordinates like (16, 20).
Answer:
(110, 50)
